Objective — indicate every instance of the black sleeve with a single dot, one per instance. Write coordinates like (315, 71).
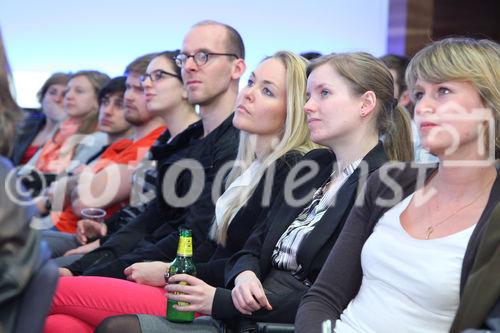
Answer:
(198, 217)
(255, 212)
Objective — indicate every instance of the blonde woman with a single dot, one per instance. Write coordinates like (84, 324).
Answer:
(274, 136)
(405, 255)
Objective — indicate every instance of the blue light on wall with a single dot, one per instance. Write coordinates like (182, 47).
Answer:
(47, 36)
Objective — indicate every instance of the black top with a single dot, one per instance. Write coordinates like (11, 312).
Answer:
(247, 219)
(257, 253)
(339, 281)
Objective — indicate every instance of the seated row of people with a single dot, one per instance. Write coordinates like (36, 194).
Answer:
(265, 248)
(278, 228)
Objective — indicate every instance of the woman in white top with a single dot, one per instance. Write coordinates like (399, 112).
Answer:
(405, 253)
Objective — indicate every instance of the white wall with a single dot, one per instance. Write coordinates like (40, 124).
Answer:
(42, 37)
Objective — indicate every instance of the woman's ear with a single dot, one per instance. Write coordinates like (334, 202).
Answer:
(369, 101)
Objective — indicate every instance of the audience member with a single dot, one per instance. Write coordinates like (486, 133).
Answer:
(38, 127)
(20, 252)
(74, 142)
(406, 253)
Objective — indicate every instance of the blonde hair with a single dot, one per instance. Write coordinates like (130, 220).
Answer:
(463, 59)
(295, 137)
(365, 72)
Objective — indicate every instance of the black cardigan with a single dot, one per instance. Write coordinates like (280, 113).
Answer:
(340, 279)
(256, 256)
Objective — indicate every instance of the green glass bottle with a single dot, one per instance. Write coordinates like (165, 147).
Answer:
(182, 264)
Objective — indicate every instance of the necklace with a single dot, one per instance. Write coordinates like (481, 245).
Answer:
(430, 229)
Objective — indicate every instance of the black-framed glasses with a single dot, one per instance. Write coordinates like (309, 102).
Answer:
(157, 75)
(200, 58)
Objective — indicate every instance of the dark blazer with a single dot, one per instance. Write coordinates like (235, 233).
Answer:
(257, 254)
(481, 293)
(340, 279)
(26, 133)
(247, 219)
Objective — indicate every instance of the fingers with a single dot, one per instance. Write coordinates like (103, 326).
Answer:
(81, 239)
(189, 279)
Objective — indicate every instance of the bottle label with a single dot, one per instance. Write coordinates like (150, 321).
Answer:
(185, 248)
(179, 303)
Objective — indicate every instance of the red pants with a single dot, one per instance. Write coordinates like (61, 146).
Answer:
(82, 302)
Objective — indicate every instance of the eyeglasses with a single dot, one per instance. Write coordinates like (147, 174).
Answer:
(200, 58)
(157, 75)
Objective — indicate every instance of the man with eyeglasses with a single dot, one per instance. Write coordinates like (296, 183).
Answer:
(211, 63)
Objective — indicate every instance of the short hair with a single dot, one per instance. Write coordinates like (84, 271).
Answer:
(465, 59)
(115, 85)
(140, 64)
(56, 78)
(399, 64)
(234, 41)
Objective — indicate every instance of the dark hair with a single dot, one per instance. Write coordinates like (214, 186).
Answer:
(115, 85)
(140, 64)
(311, 55)
(399, 64)
(234, 41)
(365, 73)
(56, 78)
(10, 113)
(170, 56)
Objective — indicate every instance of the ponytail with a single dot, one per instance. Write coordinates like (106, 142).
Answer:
(398, 143)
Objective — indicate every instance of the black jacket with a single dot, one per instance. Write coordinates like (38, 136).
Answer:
(153, 235)
(247, 219)
(257, 254)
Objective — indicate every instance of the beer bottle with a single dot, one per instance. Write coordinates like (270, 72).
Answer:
(182, 264)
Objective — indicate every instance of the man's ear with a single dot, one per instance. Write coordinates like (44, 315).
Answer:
(238, 69)
(369, 102)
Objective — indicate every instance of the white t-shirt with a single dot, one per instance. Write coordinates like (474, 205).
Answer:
(409, 285)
